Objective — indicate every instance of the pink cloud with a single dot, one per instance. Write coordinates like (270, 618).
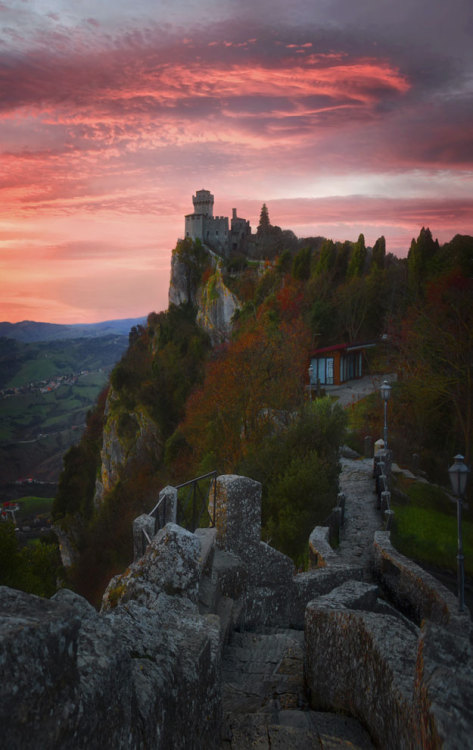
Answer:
(106, 130)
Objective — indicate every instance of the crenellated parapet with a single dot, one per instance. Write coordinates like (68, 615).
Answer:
(216, 231)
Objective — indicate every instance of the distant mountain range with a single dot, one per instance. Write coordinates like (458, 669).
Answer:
(31, 331)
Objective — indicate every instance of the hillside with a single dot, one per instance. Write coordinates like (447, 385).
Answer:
(218, 382)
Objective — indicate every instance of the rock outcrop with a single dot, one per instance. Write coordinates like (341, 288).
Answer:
(216, 306)
(215, 303)
(143, 673)
(127, 436)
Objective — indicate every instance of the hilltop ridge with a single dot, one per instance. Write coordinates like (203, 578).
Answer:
(34, 331)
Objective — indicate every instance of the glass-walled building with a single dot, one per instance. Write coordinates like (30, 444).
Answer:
(334, 365)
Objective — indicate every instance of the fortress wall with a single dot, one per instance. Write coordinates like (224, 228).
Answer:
(412, 589)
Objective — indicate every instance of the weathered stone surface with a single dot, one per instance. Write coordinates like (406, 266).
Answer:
(412, 589)
(237, 512)
(352, 595)
(143, 526)
(132, 678)
(143, 443)
(216, 307)
(265, 703)
(206, 538)
(167, 507)
(444, 689)
(320, 551)
(175, 673)
(318, 582)
(363, 664)
(170, 565)
(38, 653)
(348, 452)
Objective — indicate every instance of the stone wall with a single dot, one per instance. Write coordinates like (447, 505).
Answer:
(412, 589)
(143, 673)
(410, 687)
(362, 663)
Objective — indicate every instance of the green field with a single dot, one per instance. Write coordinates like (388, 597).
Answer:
(34, 506)
(22, 363)
(425, 526)
(26, 416)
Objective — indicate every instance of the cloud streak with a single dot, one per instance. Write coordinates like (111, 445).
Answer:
(112, 117)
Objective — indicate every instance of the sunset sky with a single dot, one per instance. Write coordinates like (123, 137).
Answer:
(343, 116)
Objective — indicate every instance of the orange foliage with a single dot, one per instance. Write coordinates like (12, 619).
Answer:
(290, 299)
(261, 372)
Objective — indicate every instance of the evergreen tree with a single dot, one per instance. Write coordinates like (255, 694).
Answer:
(264, 223)
(421, 262)
(358, 258)
(379, 253)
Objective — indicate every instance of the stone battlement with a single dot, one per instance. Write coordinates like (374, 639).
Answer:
(147, 670)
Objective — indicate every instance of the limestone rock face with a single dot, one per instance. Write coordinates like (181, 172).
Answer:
(178, 289)
(139, 439)
(216, 306)
(215, 303)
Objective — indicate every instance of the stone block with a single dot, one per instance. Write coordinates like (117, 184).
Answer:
(320, 551)
(167, 508)
(38, 664)
(363, 664)
(444, 688)
(237, 512)
(141, 525)
(170, 565)
(351, 595)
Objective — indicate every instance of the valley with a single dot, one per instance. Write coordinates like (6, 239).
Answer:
(46, 391)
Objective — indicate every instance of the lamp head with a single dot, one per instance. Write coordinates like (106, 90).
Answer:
(385, 391)
(458, 475)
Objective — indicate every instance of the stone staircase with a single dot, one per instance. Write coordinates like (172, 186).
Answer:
(265, 703)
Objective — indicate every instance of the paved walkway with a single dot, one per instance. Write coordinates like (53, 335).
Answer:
(362, 518)
(264, 700)
(354, 390)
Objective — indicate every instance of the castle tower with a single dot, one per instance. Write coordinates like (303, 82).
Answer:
(203, 202)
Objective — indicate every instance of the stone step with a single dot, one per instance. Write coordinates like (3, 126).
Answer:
(294, 730)
(264, 699)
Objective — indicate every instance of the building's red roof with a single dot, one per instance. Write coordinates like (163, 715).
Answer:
(342, 347)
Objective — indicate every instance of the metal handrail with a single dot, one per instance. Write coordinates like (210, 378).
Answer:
(197, 479)
(194, 489)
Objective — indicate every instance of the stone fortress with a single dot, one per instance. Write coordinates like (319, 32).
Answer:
(215, 231)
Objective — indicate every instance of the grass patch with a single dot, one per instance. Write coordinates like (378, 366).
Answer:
(425, 526)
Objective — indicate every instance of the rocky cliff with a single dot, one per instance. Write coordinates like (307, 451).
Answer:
(215, 303)
(127, 436)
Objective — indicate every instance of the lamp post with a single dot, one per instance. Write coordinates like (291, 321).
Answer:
(458, 477)
(385, 394)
